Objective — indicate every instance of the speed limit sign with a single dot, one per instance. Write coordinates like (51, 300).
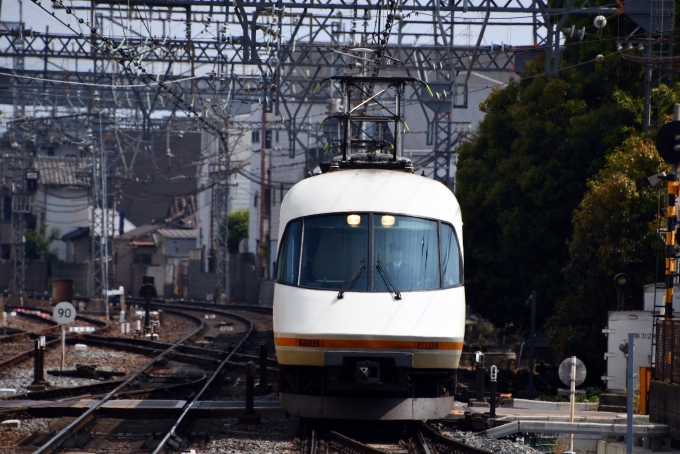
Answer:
(64, 313)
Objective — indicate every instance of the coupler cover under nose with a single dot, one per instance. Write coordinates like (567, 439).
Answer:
(368, 372)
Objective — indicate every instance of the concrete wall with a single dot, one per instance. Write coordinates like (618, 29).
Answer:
(5, 274)
(82, 250)
(664, 407)
(36, 277)
(63, 209)
(137, 271)
(266, 296)
(200, 284)
(124, 256)
(158, 274)
(243, 278)
(79, 273)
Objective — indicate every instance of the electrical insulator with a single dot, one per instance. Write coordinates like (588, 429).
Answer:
(599, 22)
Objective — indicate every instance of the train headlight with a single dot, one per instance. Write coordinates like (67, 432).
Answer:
(387, 220)
(353, 220)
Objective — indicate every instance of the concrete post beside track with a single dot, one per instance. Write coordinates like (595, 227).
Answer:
(250, 417)
(263, 387)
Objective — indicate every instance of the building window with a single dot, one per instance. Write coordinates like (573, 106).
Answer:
(6, 215)
(142, 257)
(255, 136)
(5, 251)
(268, 140)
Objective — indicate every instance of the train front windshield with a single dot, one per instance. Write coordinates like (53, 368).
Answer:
(330, 251)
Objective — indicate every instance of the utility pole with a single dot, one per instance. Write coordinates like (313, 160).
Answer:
(101, 223)
(221, 210)
(21, 205)
(530, 385)
(264, 219)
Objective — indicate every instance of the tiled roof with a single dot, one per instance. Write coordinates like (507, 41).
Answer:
(178, 233)
(140, 232)
(62, 171)
(142, 243)
(76, 234)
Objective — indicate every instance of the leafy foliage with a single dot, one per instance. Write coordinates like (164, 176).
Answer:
(614, 232)
(38, 243)
(238, 228)
(554, 194)
(520, 181)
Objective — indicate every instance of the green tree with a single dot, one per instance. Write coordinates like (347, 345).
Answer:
(238, 228)
(554, 195)
(521, 179)
(614, 232)
(38, 243)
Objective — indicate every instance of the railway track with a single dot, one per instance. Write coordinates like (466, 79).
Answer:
(4, 364)
(153, 384)
(77, 433)
(89, 416)
(316, 437)
(175, 437)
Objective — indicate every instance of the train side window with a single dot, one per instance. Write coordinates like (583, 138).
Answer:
(289, 254)
(452, 261)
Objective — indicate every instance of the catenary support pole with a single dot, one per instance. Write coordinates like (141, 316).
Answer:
(480, 383)
(530, 385)
(492, 399)
(672, 221)
(629, 385)
(572, 399)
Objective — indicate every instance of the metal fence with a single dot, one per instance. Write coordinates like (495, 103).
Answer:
(667, 360)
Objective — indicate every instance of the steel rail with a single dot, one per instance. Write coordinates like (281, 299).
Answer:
(198, 360)
(86, 417)
(28, 353)
(308, 436)
(346, 445)
(188, 354)
(188, 406)
(423, 444)
(87, 391)
(29, 334)
(446, 445)
(186, 304)
(178, 302)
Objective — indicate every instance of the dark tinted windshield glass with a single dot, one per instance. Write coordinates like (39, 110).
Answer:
(333, 249)
(288, 262)
(326, 251)
(452, 263)
(408, 249)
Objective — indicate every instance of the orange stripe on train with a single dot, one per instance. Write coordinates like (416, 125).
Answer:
(366, 343)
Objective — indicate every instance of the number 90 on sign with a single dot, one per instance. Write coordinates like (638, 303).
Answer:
(64, 313)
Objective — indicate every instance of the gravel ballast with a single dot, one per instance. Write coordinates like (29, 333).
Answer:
(491, 444)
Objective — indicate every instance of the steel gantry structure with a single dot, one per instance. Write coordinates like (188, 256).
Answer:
(151, 62)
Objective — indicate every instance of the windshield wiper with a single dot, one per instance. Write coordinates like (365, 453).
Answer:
(387, 280)
(352, 280)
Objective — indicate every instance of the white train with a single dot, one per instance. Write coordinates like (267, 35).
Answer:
(369, 303)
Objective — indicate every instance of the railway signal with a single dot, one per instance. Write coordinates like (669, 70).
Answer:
(668, 146)
(668, 142)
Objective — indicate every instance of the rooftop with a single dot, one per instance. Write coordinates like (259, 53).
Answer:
(63, 171)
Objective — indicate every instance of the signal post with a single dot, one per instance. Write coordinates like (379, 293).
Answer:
(668, 146)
